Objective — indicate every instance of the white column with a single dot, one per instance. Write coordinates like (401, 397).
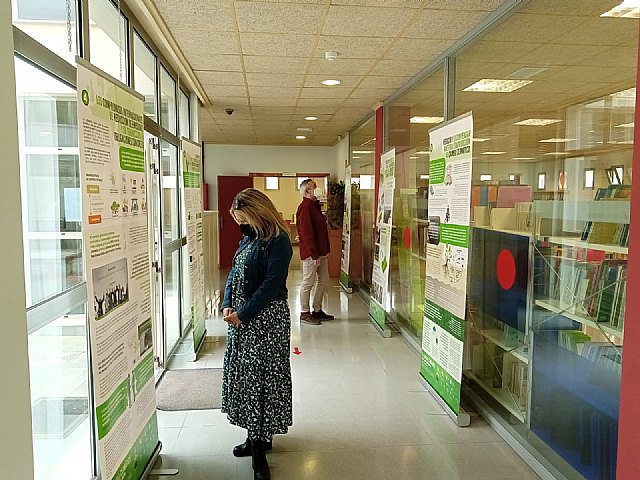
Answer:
(16, 445)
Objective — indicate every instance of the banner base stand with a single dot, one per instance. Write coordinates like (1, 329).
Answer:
(197, 351)
(346, 289)
(461, 419)
(165, 471)
(385, 332)
(149, 470)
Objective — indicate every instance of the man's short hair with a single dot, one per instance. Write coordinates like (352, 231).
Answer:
(303, 185)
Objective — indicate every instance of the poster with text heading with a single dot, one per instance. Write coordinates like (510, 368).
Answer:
(447, 257)
(346, 230)
(379, 304)
(192, 174)
(116, 252)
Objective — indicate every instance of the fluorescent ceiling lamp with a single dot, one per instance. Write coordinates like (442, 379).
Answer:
(557, 140)
(523, 158)
(557, 153)
(331, 83)
(494, 153)
(426, 119)
(422, 152)
(300, 137)
(362, 151)
(497, 86)
(424, 177)
(311, 118)
(485, 178)
(304, 129)
(413, 157)
(537, 122)
(627, 9)
(625, 125)
(479, 140)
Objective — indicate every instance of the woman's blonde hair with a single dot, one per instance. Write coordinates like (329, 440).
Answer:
(260, 213)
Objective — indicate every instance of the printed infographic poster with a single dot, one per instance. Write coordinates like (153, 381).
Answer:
(382, 242)
(447, 257)
(116, 249)
(346, 230)
(192, 169)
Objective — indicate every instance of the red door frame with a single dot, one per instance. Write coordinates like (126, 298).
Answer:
(629, 421)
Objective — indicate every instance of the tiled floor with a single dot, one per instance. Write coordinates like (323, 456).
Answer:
(360, 412)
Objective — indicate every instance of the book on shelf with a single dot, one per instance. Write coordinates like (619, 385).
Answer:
(572, 340)
(519, 382)
(607, 233)
(603, 354)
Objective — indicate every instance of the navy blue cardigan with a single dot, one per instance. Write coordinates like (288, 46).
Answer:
(265, 274)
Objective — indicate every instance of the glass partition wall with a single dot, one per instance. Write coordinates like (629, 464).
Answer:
(61, 390)
(552, 91)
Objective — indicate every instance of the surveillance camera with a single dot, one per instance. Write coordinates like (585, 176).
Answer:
(228, 111)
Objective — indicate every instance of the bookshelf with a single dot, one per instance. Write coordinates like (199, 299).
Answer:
(555, 307)
(578, 243)
(501, 394)
(497, 337)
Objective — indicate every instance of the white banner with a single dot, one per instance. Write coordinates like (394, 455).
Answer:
(116, 252)
(346, 230)
(192, 175)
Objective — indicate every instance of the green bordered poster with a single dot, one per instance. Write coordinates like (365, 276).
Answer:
(192, 175)
(447, 257)
(379, 305)
(118, 273)
(346, 232)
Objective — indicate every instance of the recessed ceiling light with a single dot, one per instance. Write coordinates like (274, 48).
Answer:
(355, 157)
(493, 153)
(362, 151)
(331, 83)
(557, 140)
(627, 9)
(537, 122)
(481, 139)
(300, 137)
(497, 86)
(625, 125)
(311, 118)
(413, 157)
(426, 119)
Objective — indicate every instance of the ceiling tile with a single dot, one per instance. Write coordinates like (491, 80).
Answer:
(485, 5)
(375, 94)
(214, 91)
(345, 66)
(277, 45)
(321, 104)
(598, 31)
(208, 15)
(443, 24)
(383, 82)
(500, 52)
(199, 43)
(365, 21)
(398, 67)
(421, 49)
(278, 17)
(271, 101)
(292, 65)
(220, 78)
(326, 92)
(352, 47)
(273, 92)
(361, 102)
(521, 27)
(272, 110)
(588, 8)
(270, 79)
(225, 63)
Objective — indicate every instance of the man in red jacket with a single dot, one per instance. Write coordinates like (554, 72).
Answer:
(314, 248)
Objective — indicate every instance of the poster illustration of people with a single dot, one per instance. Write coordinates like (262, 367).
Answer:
(116, 252)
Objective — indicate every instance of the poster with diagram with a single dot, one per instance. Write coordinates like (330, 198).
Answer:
(116, 252)
(192, 174)
(379, 304)
(447, 257)
(346, 231)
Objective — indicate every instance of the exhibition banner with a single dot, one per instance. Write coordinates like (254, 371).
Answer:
(192, 174)
(447, 255)
(379, 304)
(118, 274)
(346, 231)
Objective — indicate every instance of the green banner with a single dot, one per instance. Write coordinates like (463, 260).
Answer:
(377, 313)
(108, 414)
(192, 179)
(144, 371)
(134, 464)
(436, 171)
(131, 160)
(444, 319)
(443, 383)
(344, 279)
(456, 235)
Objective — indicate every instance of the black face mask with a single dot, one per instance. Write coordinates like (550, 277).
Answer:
(248, 230)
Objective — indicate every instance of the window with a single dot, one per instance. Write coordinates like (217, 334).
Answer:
(300, 180)
(542, 180)
(50, 22)
(144, 73)
(272, 183)
(512, 177)
(167, 101)
(184, 115)
(589, 177)
(485, 177)
(367, 182)
(616, 175)
(108, 37)
(171, 219)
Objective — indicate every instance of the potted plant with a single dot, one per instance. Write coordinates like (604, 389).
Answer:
(335, 214)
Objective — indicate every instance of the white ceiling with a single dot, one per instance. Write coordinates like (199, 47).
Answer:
(265, 59)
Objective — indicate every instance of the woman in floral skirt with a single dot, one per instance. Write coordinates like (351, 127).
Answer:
(256, 388)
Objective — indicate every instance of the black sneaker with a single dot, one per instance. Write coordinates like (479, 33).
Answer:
(308, 317)
(320, 315)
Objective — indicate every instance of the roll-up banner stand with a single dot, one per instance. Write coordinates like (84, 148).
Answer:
(379, 304)
(118, 274)
(447, 259)
(192, 176)
(346, 234)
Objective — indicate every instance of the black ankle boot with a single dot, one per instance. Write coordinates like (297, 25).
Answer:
(244, 449)
(259, 460)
